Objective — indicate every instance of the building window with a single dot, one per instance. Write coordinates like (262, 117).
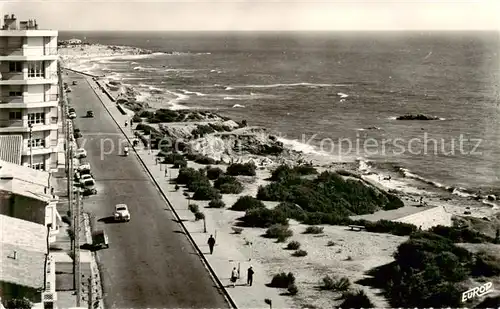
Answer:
(36, 143)
(36, 118)
(15, 67)
(15, 116)
(15, 93)
(35, 69)
(38, 166)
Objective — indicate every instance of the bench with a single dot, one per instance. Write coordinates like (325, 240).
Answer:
(356, 227)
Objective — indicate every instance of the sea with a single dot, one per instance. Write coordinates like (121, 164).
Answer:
(336, 95)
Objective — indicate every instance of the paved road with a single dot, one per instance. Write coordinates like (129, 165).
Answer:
(150, 263)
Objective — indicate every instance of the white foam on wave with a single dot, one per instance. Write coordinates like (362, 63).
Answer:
(238, 105)
(342, 95)
(229, 98)
(193, 92)
(139, 68)
(133, 62)
(299, 146)
(285, 85)
(229, 88)
(459, 191)
(179, 97)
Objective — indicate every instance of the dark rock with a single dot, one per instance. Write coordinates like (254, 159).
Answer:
(417, 117)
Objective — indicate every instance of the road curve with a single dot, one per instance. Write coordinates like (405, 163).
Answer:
(149, 263)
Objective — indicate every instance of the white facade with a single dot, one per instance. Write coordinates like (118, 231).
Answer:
(29, 90)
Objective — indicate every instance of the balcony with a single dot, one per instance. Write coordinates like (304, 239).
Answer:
(21, 78)
(27, 51)
(29, 100)
(36, 151)
(17, 123)
(20, 126)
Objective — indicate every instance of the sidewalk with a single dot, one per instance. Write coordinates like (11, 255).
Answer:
(226, 254)
(63, 256)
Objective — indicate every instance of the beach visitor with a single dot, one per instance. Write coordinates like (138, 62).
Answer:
(126, 123)
(211, 243)
(250, 273)
(234, 276)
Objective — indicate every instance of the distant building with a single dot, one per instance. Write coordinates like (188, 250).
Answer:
(29, 90)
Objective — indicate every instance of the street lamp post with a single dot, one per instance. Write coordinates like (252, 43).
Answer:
(30, 125)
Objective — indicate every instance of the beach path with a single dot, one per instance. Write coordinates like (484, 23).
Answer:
(150, 262)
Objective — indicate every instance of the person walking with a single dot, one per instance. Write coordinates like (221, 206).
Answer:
(211, 243)
(250, 273)
(234, 277)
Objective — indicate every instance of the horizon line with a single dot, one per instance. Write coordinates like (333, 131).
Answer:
(327, 30)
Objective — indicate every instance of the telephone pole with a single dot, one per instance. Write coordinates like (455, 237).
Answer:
(77, 249)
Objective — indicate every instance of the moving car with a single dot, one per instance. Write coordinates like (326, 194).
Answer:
(121, 213)
(80, 153)
(72, 115)
(90, 114)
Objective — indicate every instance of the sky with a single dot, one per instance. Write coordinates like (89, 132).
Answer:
(257, 15)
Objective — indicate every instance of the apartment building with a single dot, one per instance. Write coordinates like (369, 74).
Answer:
(29, 90)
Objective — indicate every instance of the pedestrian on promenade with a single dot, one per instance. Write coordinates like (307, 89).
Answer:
(211, 243)
(131, 122)
(250, 273)
(126, 123)
(234, 277)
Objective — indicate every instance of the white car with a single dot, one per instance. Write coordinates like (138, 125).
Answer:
(72, 115)
(85, 166)
(121, 213)
(87, 180)
(80, 153)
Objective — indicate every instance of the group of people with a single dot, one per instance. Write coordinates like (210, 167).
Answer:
(235, 274)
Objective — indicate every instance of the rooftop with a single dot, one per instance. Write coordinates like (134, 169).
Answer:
(10, 23)
(11, 147)
(22, 252)
(25, 181)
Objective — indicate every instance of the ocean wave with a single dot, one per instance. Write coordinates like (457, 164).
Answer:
(459, 191)
(179, 97)
(193, 92)
(230, 98)
(139, 68)
(238, 105)
(229, 88)
(342, 95)
(302, 147)
(285, 85)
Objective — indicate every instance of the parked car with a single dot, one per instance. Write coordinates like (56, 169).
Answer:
(74, 82)
(87, 180)
(121, 213)
(71, 110)
(84, 167)
(80, 153)
(85, 191)
(100, 240)
(90, 114)
(72, 115)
